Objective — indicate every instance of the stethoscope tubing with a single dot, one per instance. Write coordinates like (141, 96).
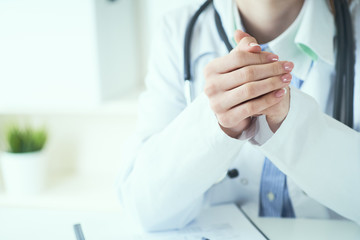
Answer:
(187, 46)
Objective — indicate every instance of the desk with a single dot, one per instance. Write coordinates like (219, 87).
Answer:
(220, 222)
(309, 229)
(44, 224)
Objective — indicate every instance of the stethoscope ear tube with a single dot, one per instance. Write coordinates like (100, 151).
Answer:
(187, 40)
(350, 67)
(221, 31)
(187, 46)
(345, 65)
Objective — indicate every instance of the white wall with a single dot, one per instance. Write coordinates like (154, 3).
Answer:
(45, 46)
(150, 13)
(65, 54)
(117, 41)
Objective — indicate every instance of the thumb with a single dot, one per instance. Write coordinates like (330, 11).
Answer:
(238, 35)
(246, 42)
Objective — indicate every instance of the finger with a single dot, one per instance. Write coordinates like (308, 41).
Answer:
(248, 44)
(251, 73)
(239, 59)
(238, 35)
(253, 90)
(250, 108)
(273, 112)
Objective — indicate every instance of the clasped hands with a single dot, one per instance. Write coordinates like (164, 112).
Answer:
(247, 83)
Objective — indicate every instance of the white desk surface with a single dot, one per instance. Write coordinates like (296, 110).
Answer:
(38, 224)
(225, 222)
(307, 229)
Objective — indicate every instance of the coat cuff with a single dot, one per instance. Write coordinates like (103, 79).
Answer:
(262, 131)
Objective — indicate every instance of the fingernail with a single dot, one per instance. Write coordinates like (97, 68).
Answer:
(273, 58)
(286, 78)
(280, 92)
(253, 44)
(288, 66)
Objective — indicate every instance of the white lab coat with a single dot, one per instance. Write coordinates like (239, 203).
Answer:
(179, 153)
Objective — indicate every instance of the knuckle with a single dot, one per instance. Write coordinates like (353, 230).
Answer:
(250, 90)
(250, 73)
(250, 109)
(262, 58)
(216, 106)
(209, 89)
(274, 83)
(244, 91)
(244, 111)
(247, 74)
(277, 68)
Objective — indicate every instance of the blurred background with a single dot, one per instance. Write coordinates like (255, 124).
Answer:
(75, 67)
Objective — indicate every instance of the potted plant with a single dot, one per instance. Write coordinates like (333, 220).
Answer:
(23, 165)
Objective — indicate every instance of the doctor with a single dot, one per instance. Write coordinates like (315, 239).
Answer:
(248, 136)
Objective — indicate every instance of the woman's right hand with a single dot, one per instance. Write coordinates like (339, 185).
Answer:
(244, 83)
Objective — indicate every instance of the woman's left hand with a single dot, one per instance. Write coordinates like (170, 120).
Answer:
(276, 114)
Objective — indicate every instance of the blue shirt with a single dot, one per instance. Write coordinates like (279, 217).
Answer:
(274, 195)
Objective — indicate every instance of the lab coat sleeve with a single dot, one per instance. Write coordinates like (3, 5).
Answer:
(178, 152)
(320, 154)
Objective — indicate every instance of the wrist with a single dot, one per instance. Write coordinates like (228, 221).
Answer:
(236, 132)
(274, 122)
(231, 132)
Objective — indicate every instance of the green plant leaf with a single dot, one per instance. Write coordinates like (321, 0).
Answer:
(22, 140)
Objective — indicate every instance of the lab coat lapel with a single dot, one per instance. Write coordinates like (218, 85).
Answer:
(319, 85)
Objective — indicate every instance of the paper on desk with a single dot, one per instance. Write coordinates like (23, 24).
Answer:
(224, 222)
(213, 232)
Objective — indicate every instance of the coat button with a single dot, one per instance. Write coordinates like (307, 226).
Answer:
(244, 181)
(270, 196)
(233, 173)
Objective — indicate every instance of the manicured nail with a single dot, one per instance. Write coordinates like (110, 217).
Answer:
(286, 78)
(273, 58)
(288, 66)
(280, 93)
(253, 44)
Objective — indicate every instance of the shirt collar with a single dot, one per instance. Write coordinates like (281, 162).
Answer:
(286, 47)
(317, 31)
(308, 38)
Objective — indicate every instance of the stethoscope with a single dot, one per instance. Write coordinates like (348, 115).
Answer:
(345, 58)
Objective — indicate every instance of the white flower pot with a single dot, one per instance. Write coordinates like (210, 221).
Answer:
(23, 173)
